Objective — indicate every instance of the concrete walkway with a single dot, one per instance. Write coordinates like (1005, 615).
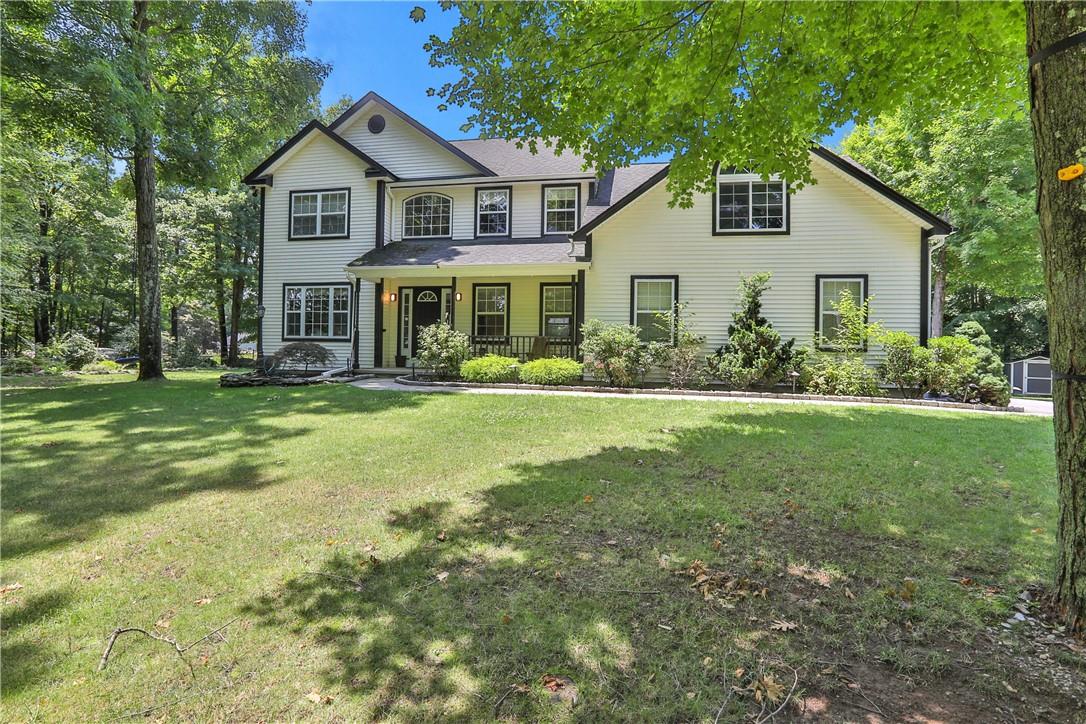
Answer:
(1032, 407)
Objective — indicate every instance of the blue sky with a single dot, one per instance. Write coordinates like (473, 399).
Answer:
(375, 46)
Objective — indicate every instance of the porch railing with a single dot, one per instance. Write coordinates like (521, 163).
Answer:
(522, 346)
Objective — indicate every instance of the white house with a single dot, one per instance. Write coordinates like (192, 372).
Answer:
(374, 226)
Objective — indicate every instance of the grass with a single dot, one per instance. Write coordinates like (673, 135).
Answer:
(413, 556)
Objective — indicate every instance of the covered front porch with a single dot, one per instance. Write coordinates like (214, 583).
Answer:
(525, 311)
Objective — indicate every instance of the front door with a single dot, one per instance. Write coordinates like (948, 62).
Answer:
(426, 311)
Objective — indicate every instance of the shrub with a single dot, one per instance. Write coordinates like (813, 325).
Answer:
(616, 351)
(754, 353)
(828, 374)
(301, 355)
(853, 329)
(953, 364)
(491, 368)
(551, 371)
(442, 349)
(682, 360)
(74, 349)
(188, 354)
(102, 367)
(906, 362)
(991, 385)
(17, 366)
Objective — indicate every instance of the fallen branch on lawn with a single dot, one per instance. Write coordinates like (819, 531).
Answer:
(157, 637)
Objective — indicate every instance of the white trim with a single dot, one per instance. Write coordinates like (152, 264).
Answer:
(508, 193)
(407, 302)
(476, 180)
(403, 216)
(375, 273)
(749, 179)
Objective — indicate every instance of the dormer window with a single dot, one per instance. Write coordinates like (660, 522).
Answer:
(492, 212)
(320, 214)
(427, 216)
(745, 204)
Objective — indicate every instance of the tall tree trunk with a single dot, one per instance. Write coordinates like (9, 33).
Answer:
(1058, 97)
(143, 173)
(238, 288)
(220, 296)
(938, 299)
(41, 309)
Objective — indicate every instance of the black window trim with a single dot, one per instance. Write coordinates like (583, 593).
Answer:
(508, 213)
(403, 216)
(543, 207)
(318, 237)
(283, 307)
(819, 278)
(717, 231)
(475, 305)
(542, 314)
(635, 278)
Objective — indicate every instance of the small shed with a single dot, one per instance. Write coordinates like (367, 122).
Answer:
(1030, 376)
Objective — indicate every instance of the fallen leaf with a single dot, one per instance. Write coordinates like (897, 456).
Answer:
(558, 575)
(768, 687)
(588, 498)
(717, 544)
(552, 683)
(442, 576)
(317, 698)
(162, 623)
(781, 625)
(202, 601)
(707, 661)
(441, 536)
(506, 618)
(849, 594)
(10, 588)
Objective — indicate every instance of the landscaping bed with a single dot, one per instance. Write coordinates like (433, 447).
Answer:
(423, 382)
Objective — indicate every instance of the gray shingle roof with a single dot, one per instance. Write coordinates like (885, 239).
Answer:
(457, 252)
(615, 184)
(504, 158)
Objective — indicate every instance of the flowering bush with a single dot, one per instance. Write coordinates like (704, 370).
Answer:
(442, 349)
(615, 351)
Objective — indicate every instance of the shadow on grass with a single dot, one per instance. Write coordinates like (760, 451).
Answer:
(560, 572)
(77, 455)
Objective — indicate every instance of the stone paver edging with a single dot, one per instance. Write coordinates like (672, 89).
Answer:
(407, 381)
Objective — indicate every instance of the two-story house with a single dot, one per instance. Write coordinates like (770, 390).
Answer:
(374, 226)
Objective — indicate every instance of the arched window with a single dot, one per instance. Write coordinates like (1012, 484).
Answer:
(427, 215)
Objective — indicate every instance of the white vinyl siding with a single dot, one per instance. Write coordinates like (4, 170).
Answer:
(838, 228)
(401, 149)
(321, 164)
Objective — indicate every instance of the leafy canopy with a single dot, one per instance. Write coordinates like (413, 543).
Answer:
(748, 83)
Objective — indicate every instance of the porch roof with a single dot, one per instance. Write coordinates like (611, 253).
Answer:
(530, 255)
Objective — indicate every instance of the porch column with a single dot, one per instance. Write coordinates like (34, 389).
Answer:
(578, 312)
(378, 323)
(452, 305)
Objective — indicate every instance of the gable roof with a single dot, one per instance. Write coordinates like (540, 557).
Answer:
(374, 98)
(939, 226)
(507, 160)
(256, 176)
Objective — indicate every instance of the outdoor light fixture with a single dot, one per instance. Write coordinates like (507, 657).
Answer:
(260, 309)
(459, 296)
(392, 296)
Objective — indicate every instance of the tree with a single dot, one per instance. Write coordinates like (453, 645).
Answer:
(976, 169)
(189, 91)
(751, 83)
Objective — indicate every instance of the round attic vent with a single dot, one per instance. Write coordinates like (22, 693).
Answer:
(376, 124)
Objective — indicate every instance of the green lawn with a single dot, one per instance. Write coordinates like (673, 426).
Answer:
(413, 556)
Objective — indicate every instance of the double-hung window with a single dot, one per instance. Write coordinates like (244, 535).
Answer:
(560, 209)
(491, 310)
(492, 212)
(319, 214)
(427, 216)
(744, 203)
(557, 311)
(830, 289)
(651, 297)
(316, 311)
